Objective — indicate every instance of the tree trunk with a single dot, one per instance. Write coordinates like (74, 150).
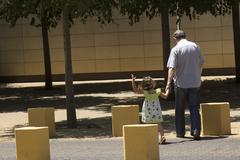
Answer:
(71, 112)
(166, 48)
(47, 59)
(165, 41)
(236, 35)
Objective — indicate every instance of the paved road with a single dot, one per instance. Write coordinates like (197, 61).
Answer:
(112, 149)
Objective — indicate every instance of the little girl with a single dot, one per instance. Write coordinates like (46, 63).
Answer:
(151, 110)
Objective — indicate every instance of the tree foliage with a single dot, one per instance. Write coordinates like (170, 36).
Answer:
(49, 12)
(84, 9)
(39, 11)
(134, 9)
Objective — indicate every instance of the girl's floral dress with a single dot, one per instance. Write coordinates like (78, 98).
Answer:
(151, 110)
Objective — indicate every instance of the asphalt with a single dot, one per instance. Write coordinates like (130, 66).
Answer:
(209, 148)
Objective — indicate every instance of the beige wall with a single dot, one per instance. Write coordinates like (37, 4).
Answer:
(215, 37)
(116, 47)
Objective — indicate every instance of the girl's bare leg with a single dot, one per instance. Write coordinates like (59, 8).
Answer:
(161, 131)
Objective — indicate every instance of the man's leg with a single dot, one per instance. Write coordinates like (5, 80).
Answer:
(180, 99)
(194, 104)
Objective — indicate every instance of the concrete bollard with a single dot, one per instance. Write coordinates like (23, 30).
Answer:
(39, 117)
(32, 143)
(215, 118)
(141, 142)
(123, 115)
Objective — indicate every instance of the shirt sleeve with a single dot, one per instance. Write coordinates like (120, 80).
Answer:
(172, 61)
(158, 91)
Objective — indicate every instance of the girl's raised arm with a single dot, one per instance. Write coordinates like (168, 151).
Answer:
(137, 89)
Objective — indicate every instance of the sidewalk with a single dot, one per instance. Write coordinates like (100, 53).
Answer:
(93, 121)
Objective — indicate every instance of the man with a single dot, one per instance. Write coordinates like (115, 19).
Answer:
(185, 68)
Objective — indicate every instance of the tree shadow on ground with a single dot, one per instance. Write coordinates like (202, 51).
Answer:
(102, 96)
(235, 119)
(102, 127)
(96, 127)
(221, 91)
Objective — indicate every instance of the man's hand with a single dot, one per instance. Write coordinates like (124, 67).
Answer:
(168, 87)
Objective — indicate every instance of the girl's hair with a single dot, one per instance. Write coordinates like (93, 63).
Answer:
(148, 83)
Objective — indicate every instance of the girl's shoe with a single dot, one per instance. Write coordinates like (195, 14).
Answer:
(163, 140)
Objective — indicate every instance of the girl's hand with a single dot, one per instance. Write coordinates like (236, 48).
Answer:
(133, 77)
(166, 94)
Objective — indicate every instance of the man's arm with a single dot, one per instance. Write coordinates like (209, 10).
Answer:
(201, 59)
(171, 72)
(201, 68)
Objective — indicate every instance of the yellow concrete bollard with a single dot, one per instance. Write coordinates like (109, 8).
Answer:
(39, 117)
(32, 143)
(215, 118)
(141, 142)
(123, 115)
